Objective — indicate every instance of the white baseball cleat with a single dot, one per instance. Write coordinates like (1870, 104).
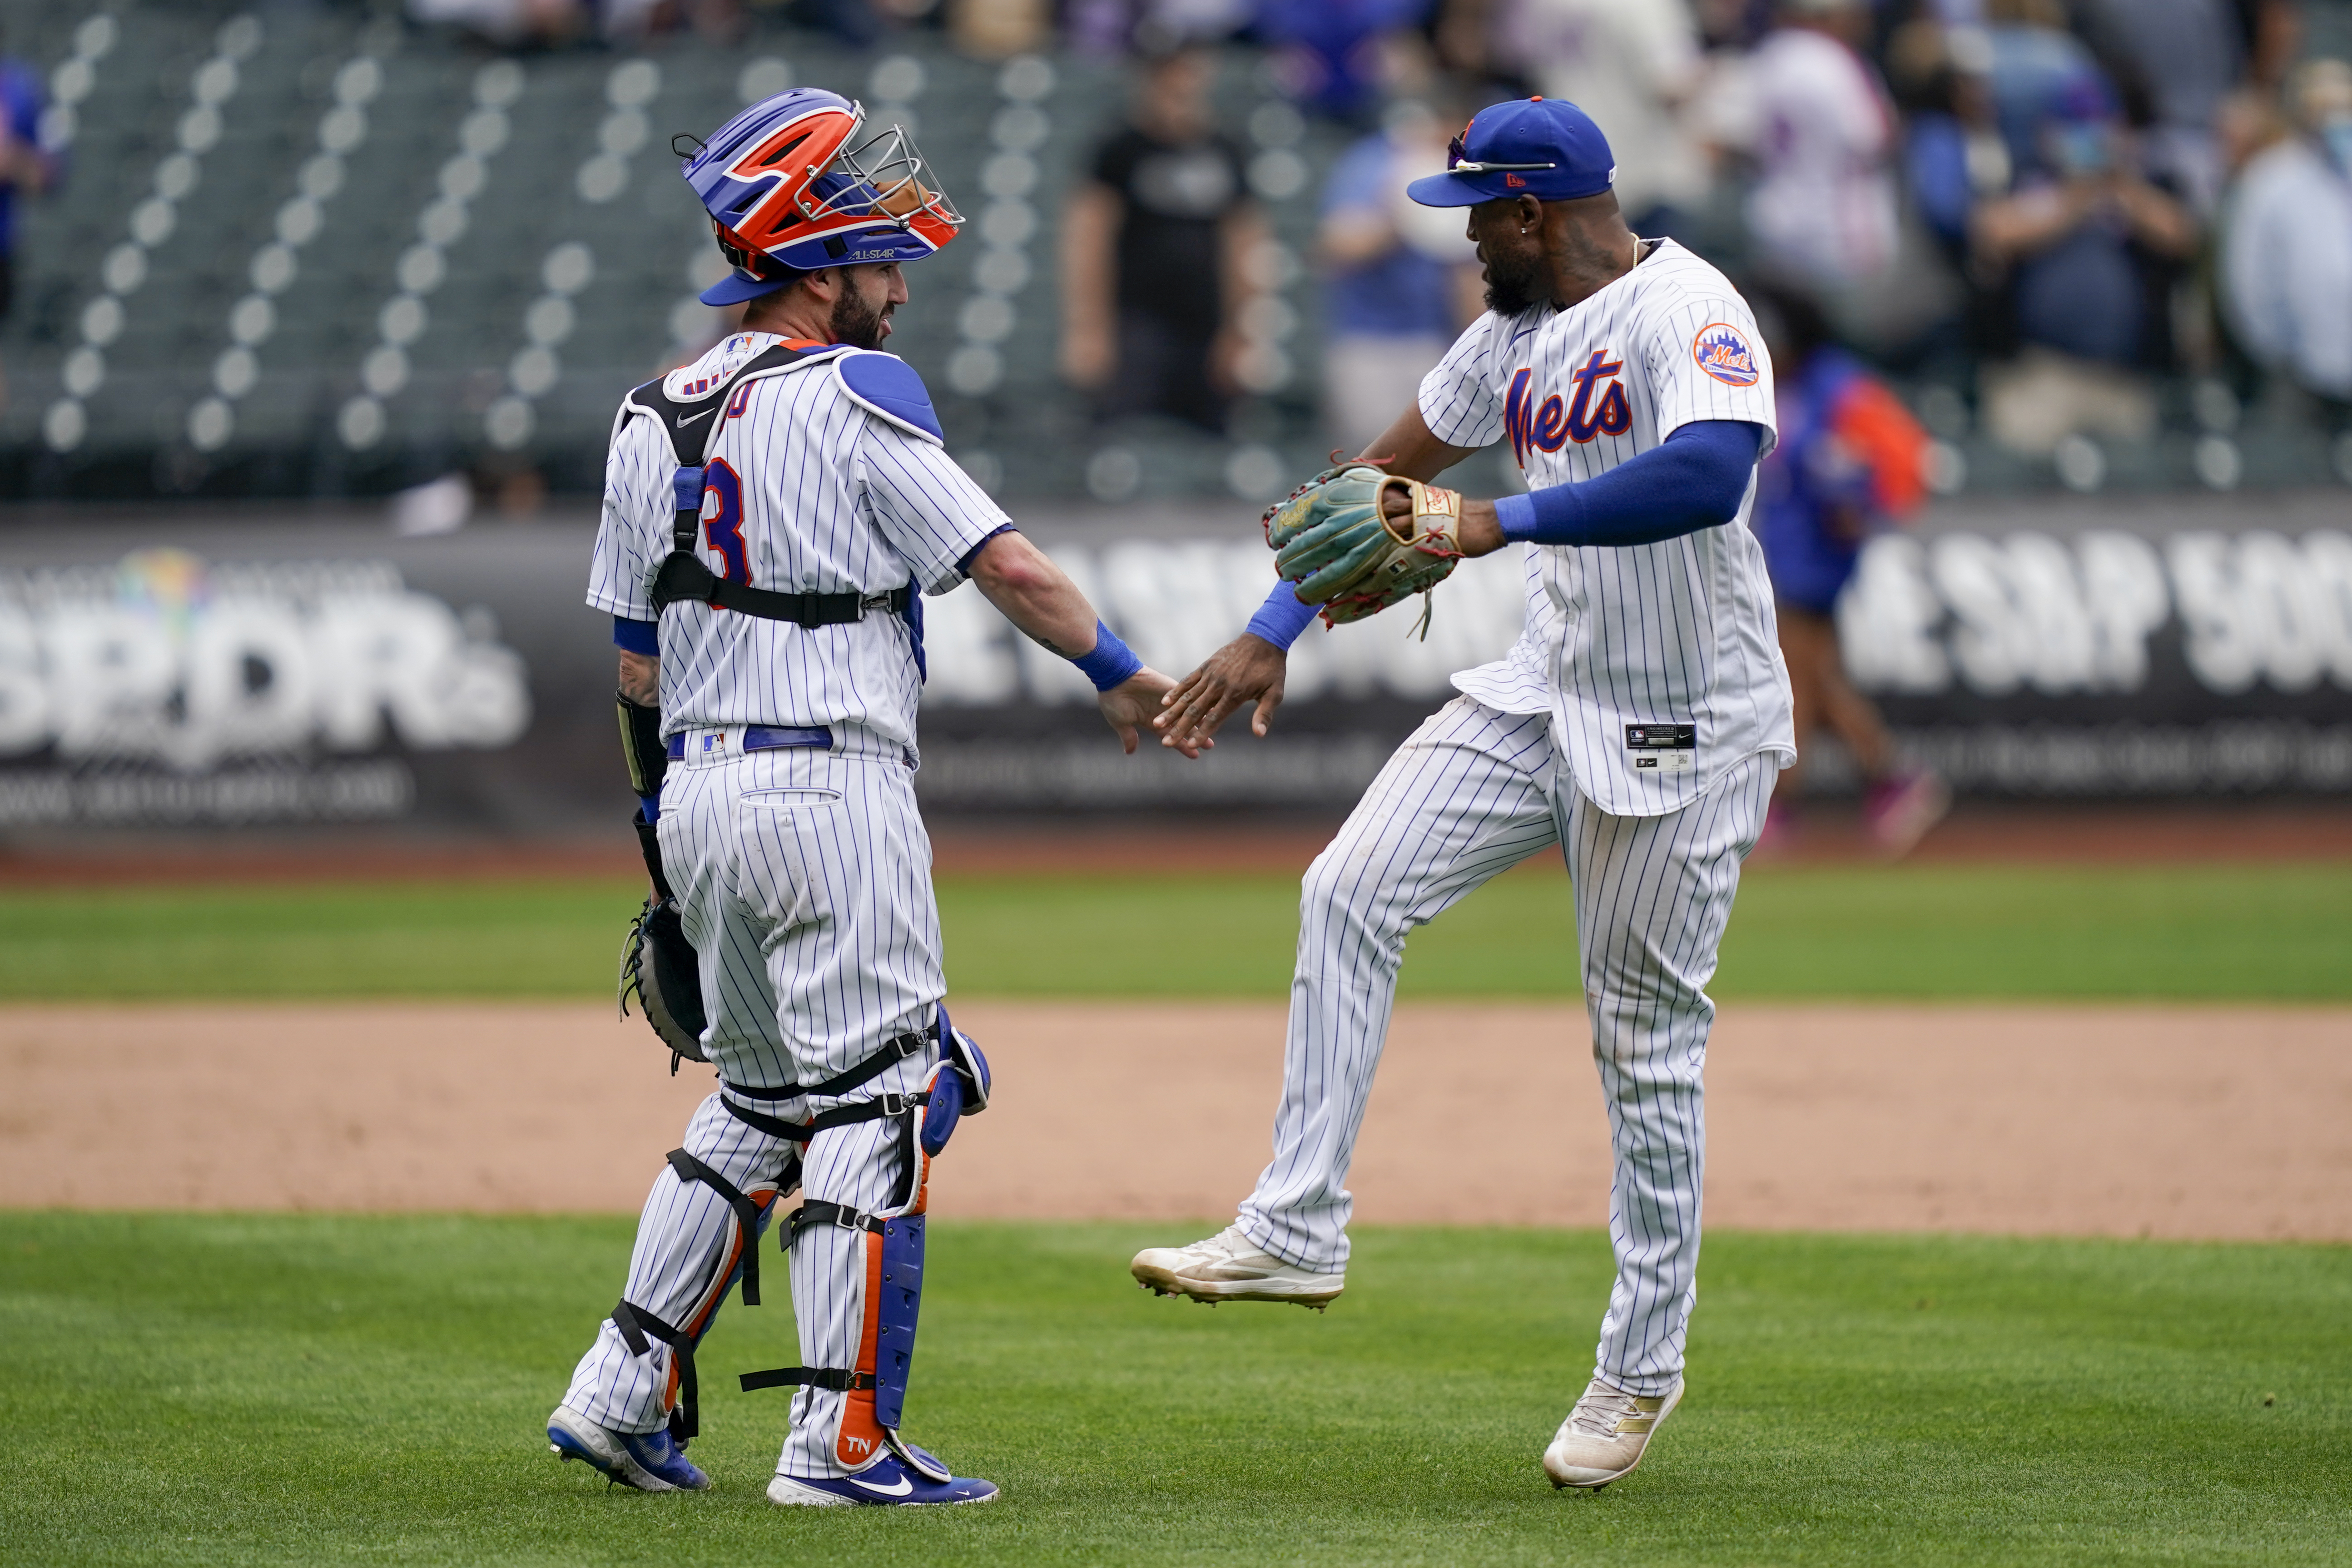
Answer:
(1606, 1435)
(1228, 1267)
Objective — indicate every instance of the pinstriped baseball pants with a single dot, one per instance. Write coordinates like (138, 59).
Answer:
(803, 881)
(1471, 794)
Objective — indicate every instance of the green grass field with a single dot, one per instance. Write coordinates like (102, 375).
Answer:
(2267, 931)
(300, 1389)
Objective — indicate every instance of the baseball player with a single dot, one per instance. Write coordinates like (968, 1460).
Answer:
(1638, 724)
(772, 514)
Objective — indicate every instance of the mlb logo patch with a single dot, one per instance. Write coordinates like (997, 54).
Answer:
(1722, 350)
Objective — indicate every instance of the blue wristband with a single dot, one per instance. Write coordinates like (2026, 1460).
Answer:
(1282, 618)
(1109, 661)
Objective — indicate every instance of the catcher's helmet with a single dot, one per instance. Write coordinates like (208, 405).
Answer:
(795, 182)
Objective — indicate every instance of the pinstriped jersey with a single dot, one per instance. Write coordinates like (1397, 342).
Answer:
(809, 490)
(1660, 664)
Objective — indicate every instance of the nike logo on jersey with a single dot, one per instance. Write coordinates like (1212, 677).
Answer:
(683, 421)
(1553, 423)
(905, 1486)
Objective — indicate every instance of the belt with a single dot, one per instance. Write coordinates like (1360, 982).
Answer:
(767, 738)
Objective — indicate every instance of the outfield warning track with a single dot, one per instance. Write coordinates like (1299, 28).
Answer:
(2173, 1120)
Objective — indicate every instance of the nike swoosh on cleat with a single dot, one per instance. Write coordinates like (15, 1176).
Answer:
(683, 421)
(901, 1490)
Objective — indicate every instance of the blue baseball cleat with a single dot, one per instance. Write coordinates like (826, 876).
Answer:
(648, 1461)
(883, 1483)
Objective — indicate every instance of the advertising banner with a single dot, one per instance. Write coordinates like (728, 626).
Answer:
(219, 671)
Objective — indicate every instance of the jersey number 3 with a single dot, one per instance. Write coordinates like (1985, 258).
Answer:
(723, 530)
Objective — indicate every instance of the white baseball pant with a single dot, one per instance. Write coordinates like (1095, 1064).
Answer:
(1470, 793)
(804, 880)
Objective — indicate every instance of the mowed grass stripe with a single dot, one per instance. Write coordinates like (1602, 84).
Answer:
(2186, 933)
(306, 1389)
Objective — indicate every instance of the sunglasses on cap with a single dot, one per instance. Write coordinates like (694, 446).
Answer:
(1458, 161)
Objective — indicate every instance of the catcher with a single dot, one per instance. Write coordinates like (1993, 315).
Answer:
(773, 513)
(1637, 726)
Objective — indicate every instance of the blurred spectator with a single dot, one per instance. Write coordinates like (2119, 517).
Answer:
(996, 29)
(510, 24)
(1953, 154)
(25, 167)
(545, 24)
(1632, 65)
(2286, 253)
(1330, 54)
(1810, 110)
(2184, 59)
(1154, 246)
(2083, 247)
(1404, 278)
(1848, 463)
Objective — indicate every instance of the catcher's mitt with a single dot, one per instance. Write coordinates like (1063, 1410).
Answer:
(658, 965)
(1331, 539)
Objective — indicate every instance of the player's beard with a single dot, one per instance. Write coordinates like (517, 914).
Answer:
(858, 323)
(1515, 282)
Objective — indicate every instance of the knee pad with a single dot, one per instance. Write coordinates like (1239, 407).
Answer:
(957, 1087)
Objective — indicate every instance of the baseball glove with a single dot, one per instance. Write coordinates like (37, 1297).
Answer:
(1331, 539)
(658, 965)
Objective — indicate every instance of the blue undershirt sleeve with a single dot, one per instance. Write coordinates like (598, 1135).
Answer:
(638, 636)
(1282, 618)
(1693, 480)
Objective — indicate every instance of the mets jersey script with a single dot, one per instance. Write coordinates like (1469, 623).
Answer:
(1660, 664)
(810, 488)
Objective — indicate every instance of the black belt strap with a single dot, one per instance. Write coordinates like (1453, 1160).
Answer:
(841, 1380)
(892, 1052)
(747, 1213)
(636, 1325)
(880, 1107)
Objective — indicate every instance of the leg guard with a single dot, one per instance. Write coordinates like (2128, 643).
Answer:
(876, 1386)
(738, 1256)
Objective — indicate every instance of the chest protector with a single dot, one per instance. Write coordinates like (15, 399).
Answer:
(685, 578)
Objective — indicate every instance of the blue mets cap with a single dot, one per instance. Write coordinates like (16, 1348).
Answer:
(1541, 147)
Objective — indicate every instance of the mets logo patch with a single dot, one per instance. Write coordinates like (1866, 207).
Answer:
(1722, 350)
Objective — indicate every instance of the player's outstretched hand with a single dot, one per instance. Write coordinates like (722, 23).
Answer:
(1133, 701)
(1247, 670)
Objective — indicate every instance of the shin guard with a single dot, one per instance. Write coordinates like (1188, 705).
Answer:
(737, 1258)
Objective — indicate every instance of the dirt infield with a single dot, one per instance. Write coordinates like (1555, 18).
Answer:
(2173, 1122)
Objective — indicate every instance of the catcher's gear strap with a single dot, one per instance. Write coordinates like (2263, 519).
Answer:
(897, 1050)
(649, 844)
(747, 1214)
(637, 1326)
(880, 1107)
(817, 1210)
(641, 745)
(839, 1379)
